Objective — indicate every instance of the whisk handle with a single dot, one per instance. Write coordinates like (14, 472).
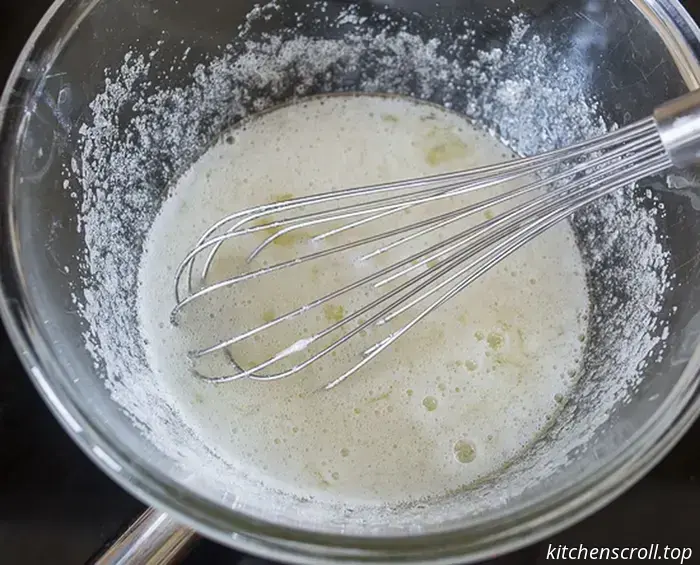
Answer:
(678, 124)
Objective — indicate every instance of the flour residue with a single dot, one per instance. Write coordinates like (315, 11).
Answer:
(515, 90)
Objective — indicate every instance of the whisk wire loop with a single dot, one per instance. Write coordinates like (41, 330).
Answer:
(548, 188)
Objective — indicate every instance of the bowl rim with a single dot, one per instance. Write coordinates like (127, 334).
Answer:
(502, 532)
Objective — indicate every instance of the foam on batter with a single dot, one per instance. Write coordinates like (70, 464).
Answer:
(452, 401)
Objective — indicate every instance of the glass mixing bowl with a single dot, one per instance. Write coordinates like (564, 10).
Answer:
(181, 72)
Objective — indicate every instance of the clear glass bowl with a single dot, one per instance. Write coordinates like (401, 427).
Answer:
(627, 56)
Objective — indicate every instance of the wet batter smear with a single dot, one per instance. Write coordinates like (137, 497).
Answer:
(453, 400)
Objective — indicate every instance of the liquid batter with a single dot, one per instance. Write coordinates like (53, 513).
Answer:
(450, 402)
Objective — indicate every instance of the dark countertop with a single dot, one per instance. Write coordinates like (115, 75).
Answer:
(57, 508)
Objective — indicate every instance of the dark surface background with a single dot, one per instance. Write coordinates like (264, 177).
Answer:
(57, 508)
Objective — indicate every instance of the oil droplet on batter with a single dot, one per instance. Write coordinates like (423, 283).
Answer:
(446, 146)
(287, 238)
(384, 396)
(430, 403)
(282, 197)
(495, 340)
(464, 451)
(333, 313)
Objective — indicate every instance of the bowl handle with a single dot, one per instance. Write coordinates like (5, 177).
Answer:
(153, 539)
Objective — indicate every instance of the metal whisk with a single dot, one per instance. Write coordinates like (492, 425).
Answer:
(567, 180)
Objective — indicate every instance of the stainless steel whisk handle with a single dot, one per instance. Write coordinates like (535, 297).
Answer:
(678, 124)
(153, 539)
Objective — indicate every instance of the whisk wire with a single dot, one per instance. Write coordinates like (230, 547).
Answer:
(520, 167)
(506, 247)
(566, 180)
(454, 215)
